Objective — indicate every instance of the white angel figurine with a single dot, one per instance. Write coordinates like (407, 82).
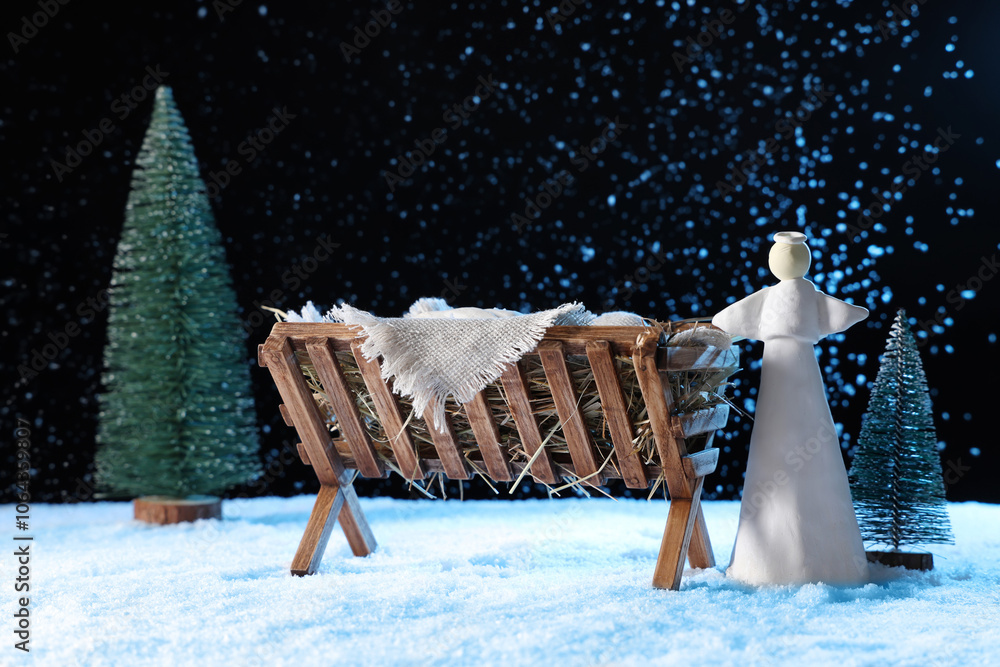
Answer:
(797, 522)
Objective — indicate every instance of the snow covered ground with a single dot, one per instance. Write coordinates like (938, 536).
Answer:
(562, 582)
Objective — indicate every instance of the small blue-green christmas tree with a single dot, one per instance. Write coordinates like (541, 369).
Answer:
(177, 415)
(896, 477)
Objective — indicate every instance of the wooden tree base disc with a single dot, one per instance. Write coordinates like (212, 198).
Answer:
(911, 561)
(164, 509)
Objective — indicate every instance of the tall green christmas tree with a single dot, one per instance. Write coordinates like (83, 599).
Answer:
(177, 416)
(896, 474)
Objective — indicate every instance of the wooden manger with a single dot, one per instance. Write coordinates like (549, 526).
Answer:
(588, 404)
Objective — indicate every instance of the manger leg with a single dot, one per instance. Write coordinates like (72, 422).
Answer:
(676, 538)
(355, 525)
(700, 553)
(329, 501)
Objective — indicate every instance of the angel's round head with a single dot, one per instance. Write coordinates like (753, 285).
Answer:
(789, 257)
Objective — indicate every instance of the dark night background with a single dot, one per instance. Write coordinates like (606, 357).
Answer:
(652, 192)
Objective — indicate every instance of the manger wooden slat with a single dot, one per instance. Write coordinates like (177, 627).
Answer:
(341, 336)
(285, 417)
(328, 504)
(446, 445)
(578, 439)
(702, 421)
(701, 463)
(484, 427)
(659, 404)
(344, 407)
(389, 415)
(574, 339)
(515, 385)
(616, 413)
(710, 358)
(309, 423)
(681, 519)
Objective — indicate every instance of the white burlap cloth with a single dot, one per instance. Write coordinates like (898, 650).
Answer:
(431, 354)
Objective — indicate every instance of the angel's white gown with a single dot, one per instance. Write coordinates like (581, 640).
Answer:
(797, 522)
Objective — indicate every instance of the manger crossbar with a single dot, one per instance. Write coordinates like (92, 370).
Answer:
(587, 405)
